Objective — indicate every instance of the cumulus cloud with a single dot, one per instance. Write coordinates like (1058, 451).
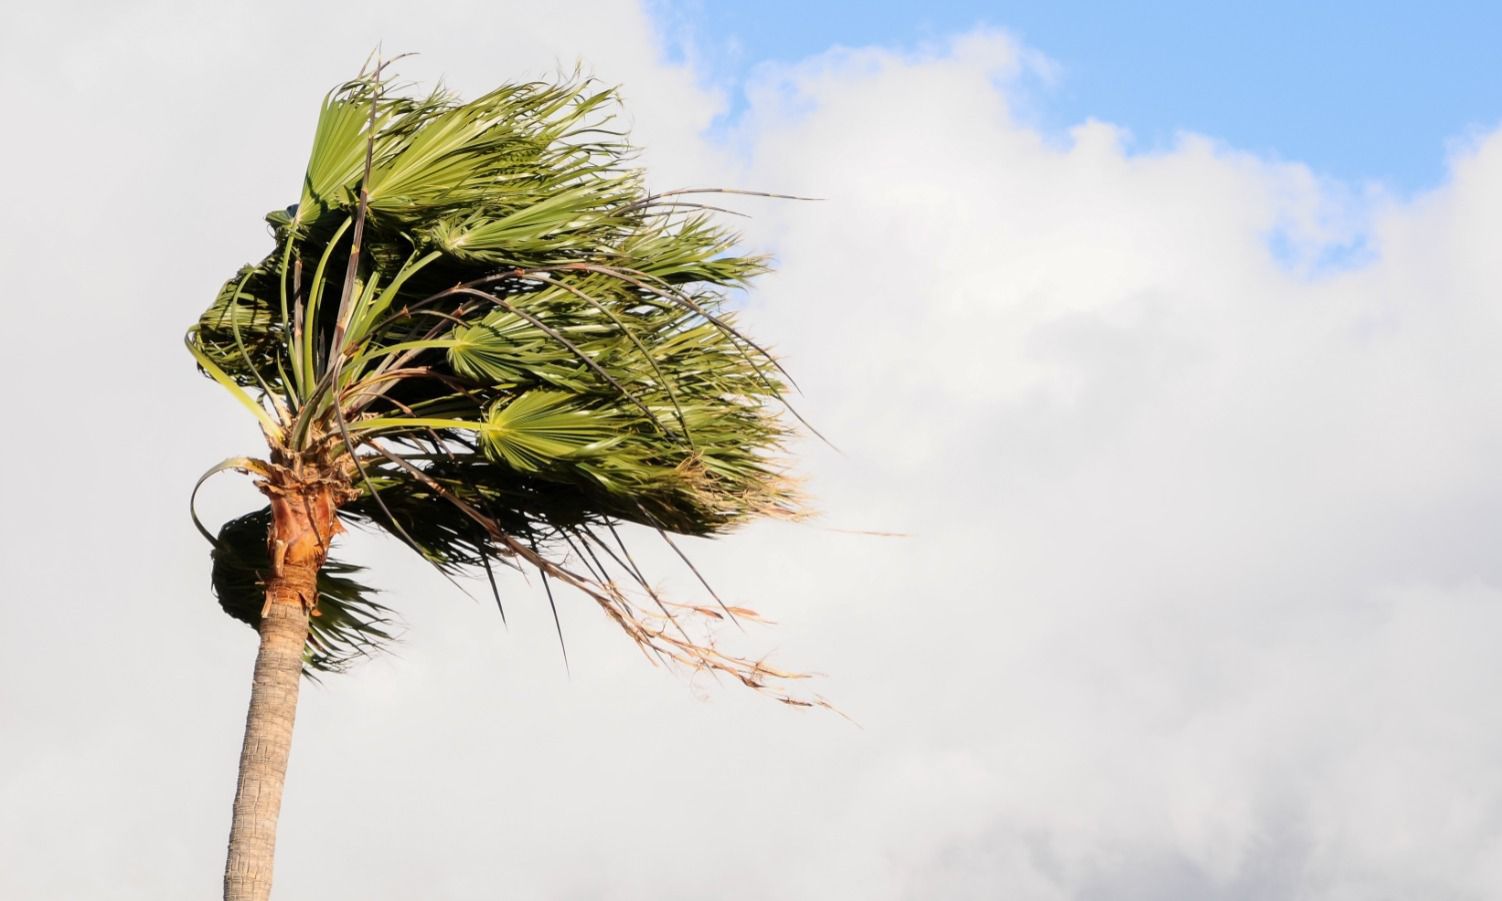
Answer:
(1198, 594)
(1199, 527)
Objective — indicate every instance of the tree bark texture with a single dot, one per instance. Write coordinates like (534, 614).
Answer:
(303, 522)
(268, 741)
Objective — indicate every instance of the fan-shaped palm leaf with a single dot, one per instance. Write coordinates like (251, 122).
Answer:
(524, 325)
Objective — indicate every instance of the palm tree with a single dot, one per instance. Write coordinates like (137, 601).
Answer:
(478, 331)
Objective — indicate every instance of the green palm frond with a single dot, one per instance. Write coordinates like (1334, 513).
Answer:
(528, 349)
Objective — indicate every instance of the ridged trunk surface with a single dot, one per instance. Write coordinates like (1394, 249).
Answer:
(303, 523)
(263, 758)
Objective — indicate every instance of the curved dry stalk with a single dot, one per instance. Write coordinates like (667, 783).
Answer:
(650, 631)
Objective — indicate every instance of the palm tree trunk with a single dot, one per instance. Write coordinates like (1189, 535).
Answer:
(268, 734)
(303, 522)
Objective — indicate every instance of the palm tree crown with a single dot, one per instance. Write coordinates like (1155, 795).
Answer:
(478, 330)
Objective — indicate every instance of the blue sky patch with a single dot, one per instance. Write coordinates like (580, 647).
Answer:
(1360, 92)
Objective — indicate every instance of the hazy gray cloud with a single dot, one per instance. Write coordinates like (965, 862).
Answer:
(1199, 596)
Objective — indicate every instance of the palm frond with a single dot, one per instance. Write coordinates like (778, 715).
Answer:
(528, 348)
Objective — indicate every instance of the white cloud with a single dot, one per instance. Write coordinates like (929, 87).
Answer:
(1201, 537)
(1199, 598)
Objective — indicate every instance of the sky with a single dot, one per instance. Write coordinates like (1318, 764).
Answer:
(1359, 92)
(1167, 345)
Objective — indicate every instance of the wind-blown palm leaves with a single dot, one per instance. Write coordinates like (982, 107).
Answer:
(480, 325)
